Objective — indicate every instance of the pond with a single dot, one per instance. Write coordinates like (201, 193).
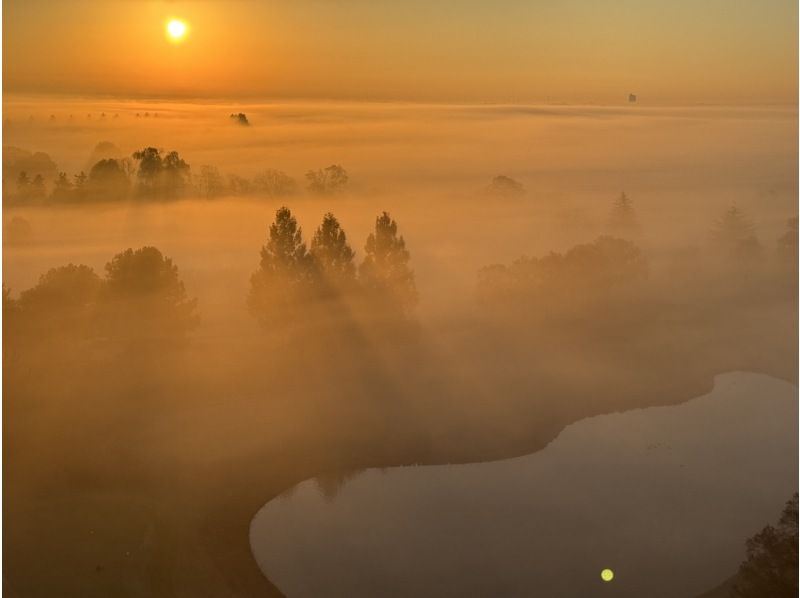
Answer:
(664, 497)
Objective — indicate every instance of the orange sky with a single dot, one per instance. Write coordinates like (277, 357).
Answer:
(667, 51)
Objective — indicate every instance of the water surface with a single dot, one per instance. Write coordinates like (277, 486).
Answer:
(664, 496)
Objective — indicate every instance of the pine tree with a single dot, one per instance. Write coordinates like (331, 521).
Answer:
(284, 278)
(385, 273)
(332, 255)
(734, 234)
(623, 220)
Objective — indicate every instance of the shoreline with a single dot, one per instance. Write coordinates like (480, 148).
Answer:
(692, 389)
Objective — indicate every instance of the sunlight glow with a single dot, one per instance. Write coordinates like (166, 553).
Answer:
(606, 575)
(176, 29)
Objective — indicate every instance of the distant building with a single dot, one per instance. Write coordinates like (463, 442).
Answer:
(632, 98)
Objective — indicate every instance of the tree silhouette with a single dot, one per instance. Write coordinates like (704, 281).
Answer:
(176, 174)
(144, 296)
(37, 189)
(66, 287)
(104, 150)
(17, 161)
(734, 234)
(584, 271)
(274, 183)
(285, 275)
(238, 185)
(62, 188)
(9, 303)
(23, 185)
(107, 180)
(62, 302)
(210, 182)
(622, 220)
(770, 568)
(328, 181)
(159, 176)
(385, 274)
(150, 166)
(332, 255)
(80, 184)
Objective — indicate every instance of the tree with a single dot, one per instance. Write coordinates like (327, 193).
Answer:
(176, 174)
(62, 302)
(238, 185)
(770, 568)
(104, 150)
(241, 119)
(80, 183)
(107, 180)
(9, 303)
(332, 179)
(623, 220)
(150, 167)
(144, 296)
(332, 255)
(385, 274)
(67, 287)
(275, 183)
(17, 161)
(284, 278)
(734, 235)
(37, 189)
(128, 166)
(210, 182)
(62, 188)
(166, 176)
(585, 275)
(23, 185)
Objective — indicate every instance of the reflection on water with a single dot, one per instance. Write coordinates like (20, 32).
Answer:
(665, 497)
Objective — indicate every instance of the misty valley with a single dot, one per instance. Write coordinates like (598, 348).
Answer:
(378, 349)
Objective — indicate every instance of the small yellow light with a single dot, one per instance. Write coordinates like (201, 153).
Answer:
(606, 575)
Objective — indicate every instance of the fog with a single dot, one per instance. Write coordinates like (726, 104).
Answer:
(154, 401)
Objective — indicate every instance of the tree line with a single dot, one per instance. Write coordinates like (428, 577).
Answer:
(299, 282)
(139, 295)
(142, 295)
(152, 173)
(291, 276)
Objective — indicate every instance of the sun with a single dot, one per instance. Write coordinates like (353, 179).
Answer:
(176, 29)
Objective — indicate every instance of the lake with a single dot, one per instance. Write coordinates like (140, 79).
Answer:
(663, 496)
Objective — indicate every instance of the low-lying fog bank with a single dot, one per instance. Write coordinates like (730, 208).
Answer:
(171, 363)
